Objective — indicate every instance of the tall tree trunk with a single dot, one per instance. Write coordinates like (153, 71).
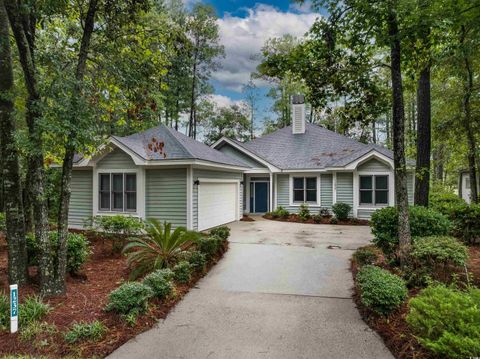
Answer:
(401, 194)
(23, 30)
(422, 178)
(65, 189)
(17, 250)
(193, 98)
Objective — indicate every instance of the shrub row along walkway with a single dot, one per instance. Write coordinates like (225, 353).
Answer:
(279, 292)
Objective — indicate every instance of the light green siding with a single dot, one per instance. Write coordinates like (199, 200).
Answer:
(410, 186)
(200, 173)
(234, 153)
(326, 190)
(345, 188)
(117, 159)
(283, 195)
(374, 165)
(166, 195)
(81, 206)
(365, 213)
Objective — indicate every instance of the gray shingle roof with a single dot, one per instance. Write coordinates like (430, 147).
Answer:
(316, 148)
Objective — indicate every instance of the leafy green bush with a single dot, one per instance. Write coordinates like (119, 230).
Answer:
(324, 212)
(466, 222)
(118, 229)
(129, 298)
(197, 260)
(317, 218)
(85, 331)
(447, 321)
(341, 210)
(3, 226)
(222, 232)
(78, 250)
(160, 248)
(210, 246)
(438, 257)
(366, 255)
(161, 286)
(424, 222)
(31, 331)
(32, 310)
(444, 201)
(182, 272)
(380, 290)
(281, 212)
(4, 311)
(304, 212)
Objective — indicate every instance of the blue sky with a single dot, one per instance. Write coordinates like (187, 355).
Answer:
(244, 26)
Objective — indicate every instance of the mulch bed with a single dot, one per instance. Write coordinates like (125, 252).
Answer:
(86, 297)
(246, 218)
(324, 220)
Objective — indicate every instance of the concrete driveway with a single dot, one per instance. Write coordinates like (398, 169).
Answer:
(283, 290)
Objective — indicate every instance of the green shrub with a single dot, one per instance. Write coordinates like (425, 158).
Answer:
(78, 250)
(32, 310)
(85, 331)
(210, 246)
(197, 260)
(447, 321)
(222, 232)
(129, 298)
(3, 226)
(424, 222)
(280, 212)
(333, 220)
(444, 201)
(160, 285)
(438, 257)
(317, 218)
(160, 248)
(4, 311)
(380, 290)
(118, 229)
(31, 331)
(182, 272)
(466, 222)
(304, 212)
(341, 210)
(366, 255)
(324, 212)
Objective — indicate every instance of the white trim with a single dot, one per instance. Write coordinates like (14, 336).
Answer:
(290, 190)
(190, 198)
(140, 173)
(356, 190)
(334, 188)
(270, 194)
(247, 152)
(275, 192)
(372, 154)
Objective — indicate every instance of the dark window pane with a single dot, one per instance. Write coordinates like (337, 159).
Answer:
(130, 182)
(105, 201)
(104, 182)
(117, 204)
(381, 197)
(131, 201)
(366, 182)
(312, 183)
(311, 195)
(298, 196)
(381, 182)
(117, 182)
(366, 197)
(298, 183)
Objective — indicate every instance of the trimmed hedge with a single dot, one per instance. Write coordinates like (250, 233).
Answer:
(424, 222)
(380, 290)
(131, 298)
(159, 283)
(341, 210)
(222, 232)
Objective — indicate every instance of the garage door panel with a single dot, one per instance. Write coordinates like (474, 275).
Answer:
(217, 204)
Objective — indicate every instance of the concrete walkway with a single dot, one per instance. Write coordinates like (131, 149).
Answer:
(279, 292)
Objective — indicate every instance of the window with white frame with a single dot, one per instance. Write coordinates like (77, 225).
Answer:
(304, 189)
(117, 192)
(374, 190)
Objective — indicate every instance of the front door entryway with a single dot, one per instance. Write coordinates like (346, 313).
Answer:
(259, 196)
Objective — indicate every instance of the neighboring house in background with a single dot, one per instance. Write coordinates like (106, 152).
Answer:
(163, 174)
(464, 190)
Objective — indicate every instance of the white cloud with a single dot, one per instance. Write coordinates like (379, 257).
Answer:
(222, 101)
(243, 37)
(304, 7)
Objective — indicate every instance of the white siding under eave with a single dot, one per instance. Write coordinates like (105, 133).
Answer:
(345, 188)
(117, 159)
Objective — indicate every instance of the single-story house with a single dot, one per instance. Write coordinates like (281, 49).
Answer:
(464, 189)
(163, 174)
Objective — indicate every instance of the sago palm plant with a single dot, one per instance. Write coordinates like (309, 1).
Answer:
(159, 248)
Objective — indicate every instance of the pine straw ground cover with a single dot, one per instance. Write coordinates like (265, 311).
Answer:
(85, 300)
(394, 329)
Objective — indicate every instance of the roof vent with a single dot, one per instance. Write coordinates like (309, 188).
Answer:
(298, 114)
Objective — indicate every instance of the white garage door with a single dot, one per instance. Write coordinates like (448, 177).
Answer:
(217, 204)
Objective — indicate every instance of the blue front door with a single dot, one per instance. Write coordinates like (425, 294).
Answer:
(261, 197)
